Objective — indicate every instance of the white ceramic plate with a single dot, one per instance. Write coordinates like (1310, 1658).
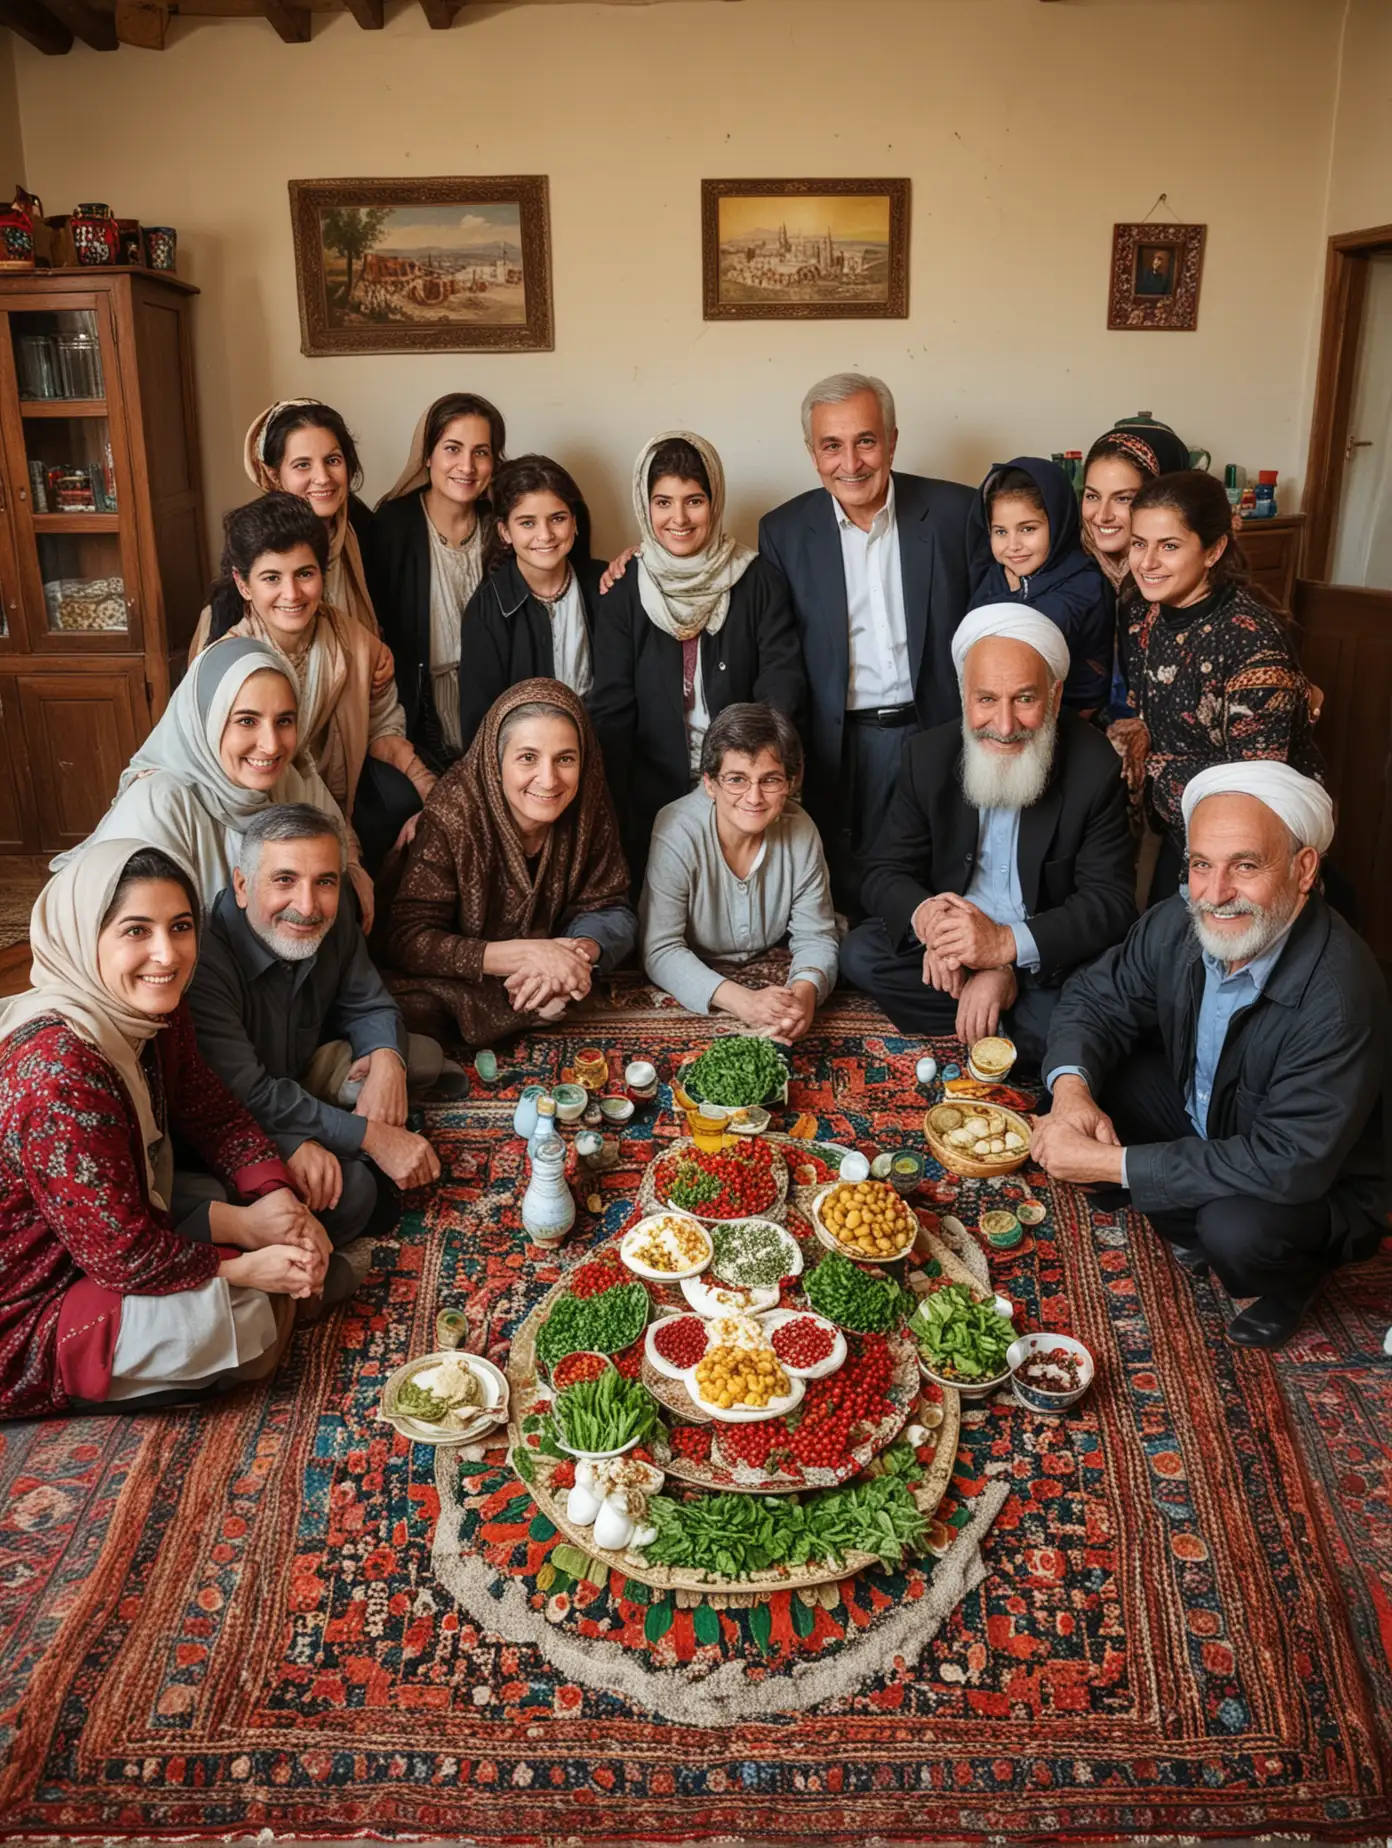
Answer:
(748, 1414)
(662, 1366)
(832, 1243)
(705, 1298)
(775, 1318)
(490, 1413)
(636, 1234)
(793, 1268)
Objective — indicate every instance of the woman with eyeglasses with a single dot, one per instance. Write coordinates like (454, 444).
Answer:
(736, 913)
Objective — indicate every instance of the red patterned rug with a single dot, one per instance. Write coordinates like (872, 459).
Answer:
(274, 1614)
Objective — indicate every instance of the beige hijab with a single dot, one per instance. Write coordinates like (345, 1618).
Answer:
(345, 581)
(63, 931)
(686, 596)
(417, 470)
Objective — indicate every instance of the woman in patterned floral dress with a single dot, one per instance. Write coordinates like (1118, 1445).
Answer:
(1212, 669)
(112, 1285)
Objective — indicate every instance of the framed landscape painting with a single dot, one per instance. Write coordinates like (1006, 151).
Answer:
(1155, 276)
(423, 266)
(803, 250)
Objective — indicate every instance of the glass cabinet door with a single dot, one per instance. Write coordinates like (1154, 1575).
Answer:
(72, 514)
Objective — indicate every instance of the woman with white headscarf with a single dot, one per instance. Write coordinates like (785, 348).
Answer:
(115, 1282)
(227, 747)
(696, 622)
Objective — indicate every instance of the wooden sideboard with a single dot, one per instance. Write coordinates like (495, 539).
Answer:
(1273, 552)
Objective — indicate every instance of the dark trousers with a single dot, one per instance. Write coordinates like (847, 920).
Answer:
(1256, 1247)
(385, 801)
(894, 979)
(853, 814)
(366, 1198)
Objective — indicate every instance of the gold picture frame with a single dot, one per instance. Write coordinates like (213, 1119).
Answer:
(423, 266)
(805, 250)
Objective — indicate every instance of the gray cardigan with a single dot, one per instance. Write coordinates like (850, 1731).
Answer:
(695, 909)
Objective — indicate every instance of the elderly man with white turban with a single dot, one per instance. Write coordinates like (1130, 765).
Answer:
(1238, 1043)
(1005, 860)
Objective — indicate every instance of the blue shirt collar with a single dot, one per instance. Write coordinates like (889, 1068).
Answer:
(1258, 971)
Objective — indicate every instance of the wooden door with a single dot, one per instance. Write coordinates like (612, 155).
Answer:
(1346, 648)
(18, 826)
(81, 729)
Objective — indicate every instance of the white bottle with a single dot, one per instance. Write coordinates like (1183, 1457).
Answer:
(548, 1207)
(546, 1130)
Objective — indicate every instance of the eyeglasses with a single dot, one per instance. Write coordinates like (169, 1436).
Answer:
(738, 783)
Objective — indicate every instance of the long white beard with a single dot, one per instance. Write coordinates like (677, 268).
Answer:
(992, 780)
(1268, 921)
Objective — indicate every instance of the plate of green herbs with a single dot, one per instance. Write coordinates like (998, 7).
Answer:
(737, 1071)
(962, 1340)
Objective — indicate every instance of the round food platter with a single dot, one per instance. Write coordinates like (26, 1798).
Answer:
(897, 1212)
(653, 1355)
(666, 1234)
(712, 1299)
(774, 1319)
(491, 1409)
(737, 1236)
(684, 1159)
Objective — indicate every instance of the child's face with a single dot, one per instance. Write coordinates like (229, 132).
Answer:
(1019, 537)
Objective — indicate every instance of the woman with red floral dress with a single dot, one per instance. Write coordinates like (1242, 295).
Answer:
(112, 1286)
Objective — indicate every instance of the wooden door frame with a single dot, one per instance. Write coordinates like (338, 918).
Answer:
(1341, 323)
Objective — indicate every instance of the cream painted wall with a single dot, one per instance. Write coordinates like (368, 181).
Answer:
(1360, 176)
(1015, 121)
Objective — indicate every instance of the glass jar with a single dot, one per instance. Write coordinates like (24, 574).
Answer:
(79, 365)
(38, 370)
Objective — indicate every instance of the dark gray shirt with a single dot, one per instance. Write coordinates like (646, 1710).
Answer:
(260, 1021)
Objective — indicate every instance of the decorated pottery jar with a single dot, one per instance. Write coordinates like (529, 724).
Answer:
(17, 222)
(96, 241)
(160, 244)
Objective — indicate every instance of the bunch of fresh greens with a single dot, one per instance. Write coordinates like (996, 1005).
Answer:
(737, 1070)
(852, 1298)
(960, 1337)
(605, 1413)
(413, 1401)
(742, 1534)
(692, 1186)
(608, 1323)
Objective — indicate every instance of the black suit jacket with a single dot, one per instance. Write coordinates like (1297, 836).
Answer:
(1076, 861)
(636, 701)
(1301, 1098)
(942, 549)
(505, 636)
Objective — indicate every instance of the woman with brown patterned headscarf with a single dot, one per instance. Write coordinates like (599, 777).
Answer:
(516, 890)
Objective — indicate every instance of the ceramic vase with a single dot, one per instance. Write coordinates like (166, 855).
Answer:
(17, 231)
(548, 1207)
(94, 235)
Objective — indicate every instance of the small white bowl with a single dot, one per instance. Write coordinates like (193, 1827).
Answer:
(595, 1456)
(704, 1299)
(749, 1414)
(665, 1367)
(616, 1110)
(635, 1235)
(751, 1122)
(793, 1268)
(775, 1318)
(1037, 1398)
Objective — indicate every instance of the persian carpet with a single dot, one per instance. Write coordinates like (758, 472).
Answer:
(273, 1613)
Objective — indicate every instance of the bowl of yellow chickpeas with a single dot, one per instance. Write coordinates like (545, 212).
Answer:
(739, 1385)
(865, 1220)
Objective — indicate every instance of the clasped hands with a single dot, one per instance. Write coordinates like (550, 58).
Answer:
(970, 957)
(283, 1248)
(1077, 1140)
(779, 1013)
(552, 972)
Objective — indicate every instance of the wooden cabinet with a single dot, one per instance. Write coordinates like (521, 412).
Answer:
(103, 567)
(1273, 553)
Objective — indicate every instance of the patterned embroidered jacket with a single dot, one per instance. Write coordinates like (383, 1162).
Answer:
(77, 1228)
(1216, 682)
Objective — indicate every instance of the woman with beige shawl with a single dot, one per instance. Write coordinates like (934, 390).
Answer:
(273, 570)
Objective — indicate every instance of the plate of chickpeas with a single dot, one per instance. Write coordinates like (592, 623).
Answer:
(866, 1220)
(740, 1385)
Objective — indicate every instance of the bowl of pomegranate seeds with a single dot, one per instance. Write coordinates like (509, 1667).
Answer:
(675, 1343)
(1048, 1373)
(808, 1345)
(584, 1364)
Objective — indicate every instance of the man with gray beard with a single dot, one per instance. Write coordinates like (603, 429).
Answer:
(1005, 860)
(1238, 1044)
(299, 1025)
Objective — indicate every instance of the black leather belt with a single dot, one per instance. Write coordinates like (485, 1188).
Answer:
(887, 716)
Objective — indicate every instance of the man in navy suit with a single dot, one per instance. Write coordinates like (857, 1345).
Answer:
(880, 568)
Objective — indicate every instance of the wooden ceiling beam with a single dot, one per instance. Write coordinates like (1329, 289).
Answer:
(36, 24)
(95, 29)
(142, 24)
(292, 23)
(440, 14)
(371, 15)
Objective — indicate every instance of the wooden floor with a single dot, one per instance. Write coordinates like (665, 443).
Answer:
(14, 969)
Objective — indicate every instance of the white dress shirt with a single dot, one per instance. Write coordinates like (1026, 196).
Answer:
(879, 636)
(570, 640)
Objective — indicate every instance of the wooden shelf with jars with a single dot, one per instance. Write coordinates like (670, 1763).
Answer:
(103, 563)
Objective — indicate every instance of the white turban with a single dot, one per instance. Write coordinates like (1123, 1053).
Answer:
(1016, 622)
(1298, 800)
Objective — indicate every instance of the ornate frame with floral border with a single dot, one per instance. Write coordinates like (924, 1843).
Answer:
(310, 199)
(1173, 305)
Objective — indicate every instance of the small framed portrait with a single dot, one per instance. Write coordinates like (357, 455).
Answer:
(805, 250)
(1156, 270)
(423, 266)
